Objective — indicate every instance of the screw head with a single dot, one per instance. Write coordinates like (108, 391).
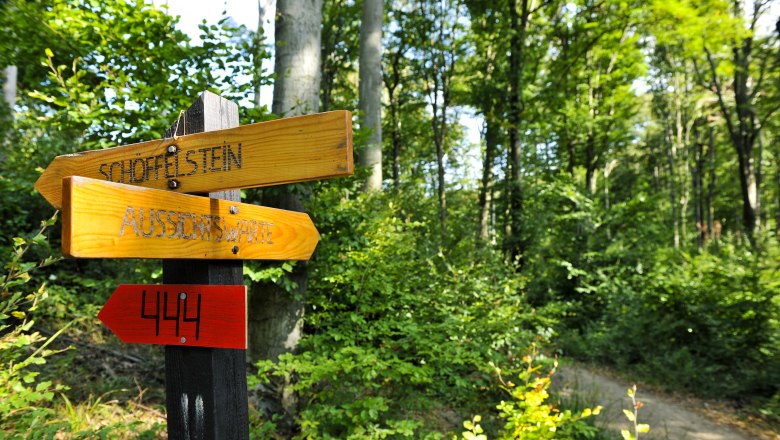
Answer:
(173, 184)
(172, 149)
(183, 295)
(183, 340)
(234, 209)
(235, 249)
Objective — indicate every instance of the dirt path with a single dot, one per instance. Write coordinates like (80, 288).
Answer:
(667, 419)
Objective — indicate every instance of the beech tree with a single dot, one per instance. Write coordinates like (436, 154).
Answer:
(371, 90)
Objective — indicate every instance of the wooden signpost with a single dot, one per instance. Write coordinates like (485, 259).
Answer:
(286, 150)
(178, 314)
(111, 220)
(122, 203)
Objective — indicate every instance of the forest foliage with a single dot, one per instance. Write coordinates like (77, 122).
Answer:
(621, 206)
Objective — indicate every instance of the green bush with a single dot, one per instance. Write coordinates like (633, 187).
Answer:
(703, 322)
(399, 333)
(24, 399)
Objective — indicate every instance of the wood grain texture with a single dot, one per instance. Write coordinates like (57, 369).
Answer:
(111, 220)
(206, 316)
(288, 150)
(216, 376)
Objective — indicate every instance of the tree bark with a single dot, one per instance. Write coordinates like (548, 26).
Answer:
(258, 53)
(518, 24)
(711, 182)
(392, 81)
(9, 88)
(744, 130)
(276, 316)
(486, 187)
(370, 90)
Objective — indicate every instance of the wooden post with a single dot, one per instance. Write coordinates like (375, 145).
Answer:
(206, 389)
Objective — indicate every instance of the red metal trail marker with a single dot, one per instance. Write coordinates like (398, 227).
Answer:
(187, 315)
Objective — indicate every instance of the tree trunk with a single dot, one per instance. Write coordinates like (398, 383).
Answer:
(392, 80)
(777, 184)
(518, 23)
(276, 316)
(711, 182)
(486, 187)
(671, 157)
(9, 88)
(370, 90)
(744, 130)
(259, 52)
(698, 193)
(438, 135)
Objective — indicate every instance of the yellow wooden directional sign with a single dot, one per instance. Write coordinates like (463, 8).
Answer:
(283, 151)
(111, 220)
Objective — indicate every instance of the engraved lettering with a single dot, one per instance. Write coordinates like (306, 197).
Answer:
(157, 166)
(217, 227)
(174, 223)
(204, 151)
(111, 170)
(197, 225)
(206, 231)
(182, 226)
(191, 162)
(151, 222)
(232, 159)
(129, 220)
(232, 233)
(214, 159)
(268, 232)
(158, 216)
(160, 223)
(103, 171)
(168, 164)
(252, 232)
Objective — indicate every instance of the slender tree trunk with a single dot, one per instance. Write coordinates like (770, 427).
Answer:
(370, 90)
(259, 52)
(759, 177)
(8, 77)
(590, 165)
(777, 183)
(438, 134)
(518, 24)
(711, 181)
(744, 129)
(9, 87)
(671, 157)
(486, 187)
(698, 193)
(276, 316)
(395, 138)
(392, 80)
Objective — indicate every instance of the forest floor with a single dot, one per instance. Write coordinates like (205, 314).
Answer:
(670, 417)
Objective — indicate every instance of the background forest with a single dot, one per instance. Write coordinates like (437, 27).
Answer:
(622, 207)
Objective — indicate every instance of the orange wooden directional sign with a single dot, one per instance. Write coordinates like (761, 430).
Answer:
(110, 220)
(178, 314)
(283, 151)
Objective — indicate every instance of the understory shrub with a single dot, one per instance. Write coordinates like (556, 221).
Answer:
(704, 322)
(399, 331)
